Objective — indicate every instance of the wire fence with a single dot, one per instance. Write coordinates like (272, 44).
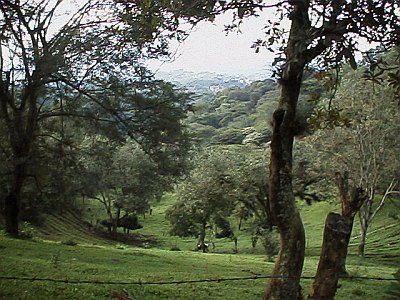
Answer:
(139, 282)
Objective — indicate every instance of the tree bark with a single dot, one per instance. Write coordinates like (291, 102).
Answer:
(351, 204)
(337, 233)
(363, 238)
(333, 253)
(201, 245)
(342, 183)
(365, 219)
(11, 212)
(20, 120)
(285, 281)
(12, 201)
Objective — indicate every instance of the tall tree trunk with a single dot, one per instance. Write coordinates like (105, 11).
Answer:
(285, 281)
(12, 201)
(365, 219)
(20, 139)
(11, 213)
(342, 183)
(20, 118)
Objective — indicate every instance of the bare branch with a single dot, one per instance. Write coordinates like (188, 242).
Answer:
(389, 191)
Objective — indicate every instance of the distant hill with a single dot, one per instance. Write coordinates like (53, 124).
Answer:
(204, 82)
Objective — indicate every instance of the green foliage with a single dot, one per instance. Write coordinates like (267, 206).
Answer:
(226, 180)
(208, 192)
(227, 136)
(244, 115)
(27, 231)
(225, 118)
(121, 177)
(91, 73)
(183, 217)
(357, 132)
(270, 243)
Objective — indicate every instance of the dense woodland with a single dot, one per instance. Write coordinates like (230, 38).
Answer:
(83, 121)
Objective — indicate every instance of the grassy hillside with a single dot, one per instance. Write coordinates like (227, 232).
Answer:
(51, 254)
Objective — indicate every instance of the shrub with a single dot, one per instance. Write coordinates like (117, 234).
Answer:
(69, 242)
(174, 248)
(27, 231)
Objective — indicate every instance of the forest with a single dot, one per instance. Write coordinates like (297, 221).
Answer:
(116, 184)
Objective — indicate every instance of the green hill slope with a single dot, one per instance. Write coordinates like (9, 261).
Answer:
(98, 260)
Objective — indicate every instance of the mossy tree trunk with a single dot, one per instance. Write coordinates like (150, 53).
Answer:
(337, 233)
(333, 253)
(285, 283)
(350, 205)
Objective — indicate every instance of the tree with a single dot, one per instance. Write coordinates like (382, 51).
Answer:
(367, 146)
(225, 181)
(376, 139)
(321, 32)
(40, 62)
(208, 194)
(122, 176)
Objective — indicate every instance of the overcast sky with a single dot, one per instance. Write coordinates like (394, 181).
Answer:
(208, 48)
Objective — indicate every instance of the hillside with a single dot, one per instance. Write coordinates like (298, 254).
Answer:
(50, 254)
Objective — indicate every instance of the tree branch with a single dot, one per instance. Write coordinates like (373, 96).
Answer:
(390, 190)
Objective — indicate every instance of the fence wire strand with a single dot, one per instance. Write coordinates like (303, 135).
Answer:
(139, 282)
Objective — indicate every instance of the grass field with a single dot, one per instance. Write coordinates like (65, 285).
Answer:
(66, 250)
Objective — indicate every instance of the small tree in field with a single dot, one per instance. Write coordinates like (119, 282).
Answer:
(122, 177)
(225, 181)
(208, 194)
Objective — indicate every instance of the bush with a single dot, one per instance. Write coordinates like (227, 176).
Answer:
(174, 248)
(69, 242)
(270, 242)
(27, 231)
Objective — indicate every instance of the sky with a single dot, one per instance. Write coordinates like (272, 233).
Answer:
(209, 48)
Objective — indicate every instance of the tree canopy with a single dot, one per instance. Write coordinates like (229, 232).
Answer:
(87, 67)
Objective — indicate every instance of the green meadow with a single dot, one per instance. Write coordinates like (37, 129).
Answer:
(71, 255)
